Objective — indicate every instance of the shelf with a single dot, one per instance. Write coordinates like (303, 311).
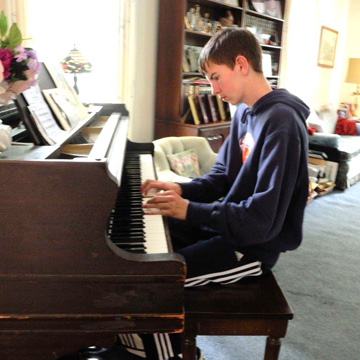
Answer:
(173, 37)
(271, 47)
(197, 33)
(191, 74)
(215, 4)
(263, 16)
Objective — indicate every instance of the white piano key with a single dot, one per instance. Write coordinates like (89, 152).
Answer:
(153, 224)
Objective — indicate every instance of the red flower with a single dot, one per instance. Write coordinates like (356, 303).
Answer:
(6, 57)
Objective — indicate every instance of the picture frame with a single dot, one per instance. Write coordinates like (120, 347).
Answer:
(266, 7)
(327, 47)
(257, 5)
(273, 8)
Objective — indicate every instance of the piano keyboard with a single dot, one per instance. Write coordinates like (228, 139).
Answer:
(128, 227)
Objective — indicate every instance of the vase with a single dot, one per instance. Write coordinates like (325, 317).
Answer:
(5, 136)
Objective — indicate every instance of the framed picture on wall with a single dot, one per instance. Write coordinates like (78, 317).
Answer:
(327, 47)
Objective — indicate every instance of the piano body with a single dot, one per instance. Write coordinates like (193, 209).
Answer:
(64, 283)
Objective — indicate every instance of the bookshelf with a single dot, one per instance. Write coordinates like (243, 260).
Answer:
(173, 37)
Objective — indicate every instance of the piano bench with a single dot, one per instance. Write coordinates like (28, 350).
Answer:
(254, 306)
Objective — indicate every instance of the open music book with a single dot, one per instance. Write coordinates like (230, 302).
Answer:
(51, 109)
(63, 109)
(42, 117)
(65, 90)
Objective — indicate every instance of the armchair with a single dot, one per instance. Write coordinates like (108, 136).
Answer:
(174, 145)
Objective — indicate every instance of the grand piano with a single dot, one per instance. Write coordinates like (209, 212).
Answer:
(79, 264)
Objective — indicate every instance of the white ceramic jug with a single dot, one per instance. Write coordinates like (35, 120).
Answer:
(5, 136)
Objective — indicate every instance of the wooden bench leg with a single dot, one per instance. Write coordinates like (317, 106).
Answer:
(189, 343)
(272, 348)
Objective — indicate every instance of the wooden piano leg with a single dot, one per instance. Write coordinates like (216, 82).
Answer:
(189, 342)
(272, 348)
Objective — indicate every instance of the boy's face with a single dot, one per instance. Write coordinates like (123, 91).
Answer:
(226, 82)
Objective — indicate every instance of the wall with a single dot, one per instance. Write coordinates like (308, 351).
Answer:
(300, 73)
(352, 49)
(143, 48)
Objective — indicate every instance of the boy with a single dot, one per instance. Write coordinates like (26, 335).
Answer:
(260, 177)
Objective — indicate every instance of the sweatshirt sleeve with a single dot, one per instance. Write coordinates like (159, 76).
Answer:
(212, 186)
(259, 217)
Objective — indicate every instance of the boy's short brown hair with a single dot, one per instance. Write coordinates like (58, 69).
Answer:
(226, 45)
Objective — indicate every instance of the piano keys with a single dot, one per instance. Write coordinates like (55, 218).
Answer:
(69, 277)
(128, 227)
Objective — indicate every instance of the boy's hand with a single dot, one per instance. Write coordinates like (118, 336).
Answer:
(151, 187)
(167, 203)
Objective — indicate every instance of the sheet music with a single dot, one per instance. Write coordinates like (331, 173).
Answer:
(44, 120)
(65, 106)
(57, 74)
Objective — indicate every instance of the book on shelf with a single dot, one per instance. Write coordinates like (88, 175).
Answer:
(205, 108)
(190, 88)
(227, 110)
(215, 116)
(201, 82)
(186, 90)
(185, 63)
(187, 117)
(221, 108)
(195, 109)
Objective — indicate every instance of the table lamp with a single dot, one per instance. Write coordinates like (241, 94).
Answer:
(353, 76)
(76, 63)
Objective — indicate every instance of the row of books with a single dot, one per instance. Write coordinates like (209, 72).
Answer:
(198, 105)
(205, 109)
(193, 86)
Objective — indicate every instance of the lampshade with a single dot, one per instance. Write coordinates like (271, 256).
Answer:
(353, 74)
(76, 63)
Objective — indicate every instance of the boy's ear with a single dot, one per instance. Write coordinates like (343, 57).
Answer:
(242, 63)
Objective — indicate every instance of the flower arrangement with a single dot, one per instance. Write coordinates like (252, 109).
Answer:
(19, 66)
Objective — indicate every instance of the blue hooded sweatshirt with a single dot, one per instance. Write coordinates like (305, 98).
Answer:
(261, 177)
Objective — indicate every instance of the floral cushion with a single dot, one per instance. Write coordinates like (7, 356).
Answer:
(185, 163)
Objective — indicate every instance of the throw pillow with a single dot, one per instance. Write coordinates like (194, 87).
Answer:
(345, 127)
(328, 114)
(185, 163)
(314, 122)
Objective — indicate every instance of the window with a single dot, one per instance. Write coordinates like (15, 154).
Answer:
(95, 28)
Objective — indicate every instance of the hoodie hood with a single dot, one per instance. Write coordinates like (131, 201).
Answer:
(282, 96)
